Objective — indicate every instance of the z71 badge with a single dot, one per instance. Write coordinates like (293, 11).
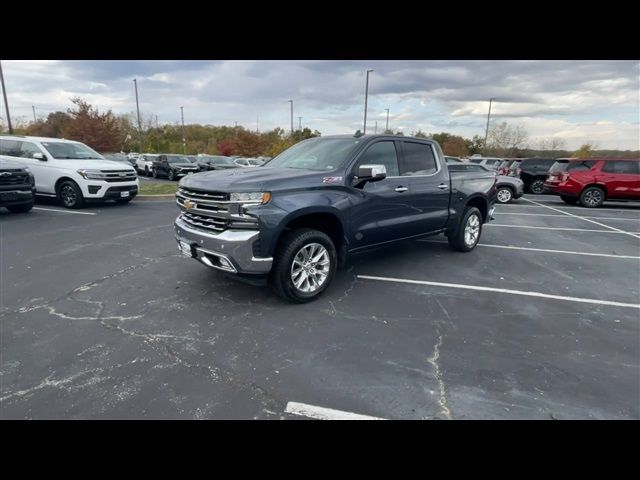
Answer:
(332, 180)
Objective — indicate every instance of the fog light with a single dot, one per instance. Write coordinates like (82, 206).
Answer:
(225, 263)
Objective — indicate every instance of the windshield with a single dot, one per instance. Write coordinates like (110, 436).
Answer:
(71, 151)
(316, 154)
(177, 159)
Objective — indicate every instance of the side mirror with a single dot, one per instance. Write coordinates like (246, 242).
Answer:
(39, 156)
(370, 173)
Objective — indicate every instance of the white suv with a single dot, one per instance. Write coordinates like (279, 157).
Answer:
(71, 171)
(144, 163)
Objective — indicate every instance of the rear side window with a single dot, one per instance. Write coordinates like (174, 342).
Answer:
(381, 153)
(623, 167)
(569, 166)
(10, 147)
(418, 159)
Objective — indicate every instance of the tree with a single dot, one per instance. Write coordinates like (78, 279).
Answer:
(475, 145)
(505, 140)
(419, 134)
(455, 146)
(551, 144)
(101, 131)
(51, 127)
(586, 150)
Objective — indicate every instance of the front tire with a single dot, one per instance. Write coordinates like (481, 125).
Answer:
(304, 265)
(468, 233)
(504, 195)
(172, 175)
(537, 186)
(70, 195)
(147, 172)
(569, 200)
(592, 197)
(24, 208)
(155, 173)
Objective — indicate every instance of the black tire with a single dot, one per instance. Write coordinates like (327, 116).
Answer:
(536, 186)
(504, 194)
(70, 195)
(569, 200)
(457, 241)
(592, 197)
(282, 272)
(171, 176)
(24, 208)
(147, 172)
(155, 173)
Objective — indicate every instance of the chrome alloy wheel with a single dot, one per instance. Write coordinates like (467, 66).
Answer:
(472, 230)
(68, 195)
(592, 197)
(310, 268)
(504, 195)
(537, 187)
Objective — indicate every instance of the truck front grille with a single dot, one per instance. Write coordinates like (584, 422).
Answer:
(14, 177)
(216, 224)
(119, 175)
(203, 196)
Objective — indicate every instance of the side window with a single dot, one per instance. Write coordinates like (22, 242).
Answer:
(475, 160)
(622, 167)
(381, 153)
(28, 149)
(580, 166)
(10, 147)
(418, 159)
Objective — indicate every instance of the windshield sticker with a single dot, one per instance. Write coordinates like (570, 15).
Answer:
(332, 180)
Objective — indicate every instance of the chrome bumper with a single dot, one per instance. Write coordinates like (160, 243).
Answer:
(230, 251)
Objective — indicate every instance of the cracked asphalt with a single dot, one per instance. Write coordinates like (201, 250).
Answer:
(102, 318)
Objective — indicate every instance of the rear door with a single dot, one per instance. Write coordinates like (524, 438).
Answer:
(621, 179)
(385, 211)
(429, 186)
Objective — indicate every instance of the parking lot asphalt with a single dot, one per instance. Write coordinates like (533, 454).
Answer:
(101, 317)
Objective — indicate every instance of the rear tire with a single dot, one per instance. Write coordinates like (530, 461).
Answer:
(592, 197)
(469, 231)
(311, 277)
(537, 186)
(504, 195)
(155, 173)
(70, 195)
(24, 208)
(569, 200)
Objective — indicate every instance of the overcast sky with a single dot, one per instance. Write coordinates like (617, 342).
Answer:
(578, 101)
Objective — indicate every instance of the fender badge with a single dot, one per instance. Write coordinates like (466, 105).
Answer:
(328, 180)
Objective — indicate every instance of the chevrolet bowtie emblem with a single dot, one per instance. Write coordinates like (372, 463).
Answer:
(188, 204)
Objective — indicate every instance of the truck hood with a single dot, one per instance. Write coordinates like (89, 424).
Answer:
(252, 179)
(184, 165)
(92, 164)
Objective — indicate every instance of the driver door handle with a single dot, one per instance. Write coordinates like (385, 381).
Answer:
(443, 186)
(401, 189)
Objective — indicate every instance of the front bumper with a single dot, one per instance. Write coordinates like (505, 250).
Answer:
(101, 190)
(230, 251)
(16, 197)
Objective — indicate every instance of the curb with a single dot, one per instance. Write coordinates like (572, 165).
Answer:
(168, 196)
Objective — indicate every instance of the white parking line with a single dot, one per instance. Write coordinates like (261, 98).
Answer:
(585, 219)
(544, 250)
(561, 228)
(502, 290)
(323, 413)
(570, 208)
(557, 215)
(63, 211)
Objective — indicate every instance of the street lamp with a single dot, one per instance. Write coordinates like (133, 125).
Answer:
(291, 102)
(486, 133)
(366, 97)
(135, 83)
(184, 139)
(6, 104)
(387, 129)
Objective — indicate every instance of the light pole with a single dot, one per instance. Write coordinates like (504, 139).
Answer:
(366, 98)
(486, 133)
(6, 104)
(300, 123)
(33, 107)
(135, 83)
(157, 136)
(387, 129)
(291, 102)
(376, 131)
(184, 139)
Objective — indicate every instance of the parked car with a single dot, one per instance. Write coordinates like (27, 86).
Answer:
(144, 163)
(194, 160)
(17, 186)
(71, 171)
(453, 159)
(120, 157)
(507, 188)
(243, 162)
(592, 181)
(533, 172)
(293, 220)
(489, 162)
(215, 162)
(173, 166)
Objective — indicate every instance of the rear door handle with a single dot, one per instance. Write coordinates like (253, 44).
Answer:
(443, 186)
(401, 189)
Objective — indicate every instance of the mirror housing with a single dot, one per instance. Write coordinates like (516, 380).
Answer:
(40, 156)
(369, 173)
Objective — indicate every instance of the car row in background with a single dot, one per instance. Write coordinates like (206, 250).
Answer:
(174, 166)
(507, 188)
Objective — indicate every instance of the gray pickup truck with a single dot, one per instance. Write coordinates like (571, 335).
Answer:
(294, 220)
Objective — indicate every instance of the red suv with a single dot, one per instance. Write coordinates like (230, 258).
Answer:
(591, 181)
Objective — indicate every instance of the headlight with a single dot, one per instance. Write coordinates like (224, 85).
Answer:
(91, 174)
(254, 197)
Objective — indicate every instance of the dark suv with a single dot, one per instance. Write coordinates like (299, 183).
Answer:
(17, 187)
(533, 172)
(173, 166)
